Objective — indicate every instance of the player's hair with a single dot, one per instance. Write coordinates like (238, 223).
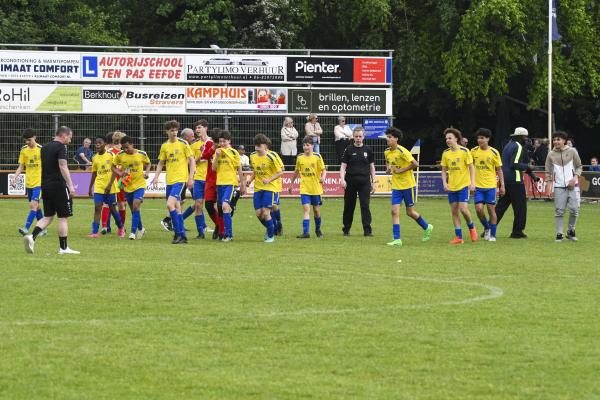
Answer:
(594, 158)
(101, 138)
(63, 130)
(171, 124)
(485, 132)
(28, 133)
(117, 136)
(455, 132)
(223, 134)
(307, 139)
(560, 134)
(201, 122)
(126, 140)
(261, 138)
(395, 132)
(215, 132)
(358, 129)
(108, 138)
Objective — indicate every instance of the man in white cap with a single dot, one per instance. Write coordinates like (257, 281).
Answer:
(514, 166)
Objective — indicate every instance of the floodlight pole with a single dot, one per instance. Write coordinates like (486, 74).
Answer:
(550, 71)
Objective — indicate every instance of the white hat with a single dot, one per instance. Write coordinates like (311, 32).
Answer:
(520, 132)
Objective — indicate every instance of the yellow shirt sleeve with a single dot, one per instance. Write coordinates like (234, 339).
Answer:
(22, 158)
(162, 156)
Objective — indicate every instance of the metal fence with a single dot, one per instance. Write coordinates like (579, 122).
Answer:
(149, 133)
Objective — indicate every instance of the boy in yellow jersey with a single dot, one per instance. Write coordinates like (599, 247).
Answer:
(276, 210)
(130, 163)
(30, 160)
(488, 165)
(458, 178)
(400, 163)
(103, 188)
(226, 163)
(267, 168)
(178, 157)
(311, 169)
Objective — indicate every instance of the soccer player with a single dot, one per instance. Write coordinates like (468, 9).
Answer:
(276, 210)
(102, 188)
(226, 163)
(458, 177)
(57, 191)
(311, 169)
(267, 167)
(210, 188)
(30, 162)
(113, 145)
(201, 133)
(178, 157)
(488, 165)
(130, 163)
(400, 163)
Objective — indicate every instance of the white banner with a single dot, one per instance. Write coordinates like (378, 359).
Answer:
(133, 100)
(39, 65)
(213, 98)
(241, 68)
(40, 98)
(131, 67)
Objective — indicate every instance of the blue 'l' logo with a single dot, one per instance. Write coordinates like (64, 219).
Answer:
(90, 67)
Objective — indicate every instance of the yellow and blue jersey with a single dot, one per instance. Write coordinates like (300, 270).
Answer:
(133, 165)
(265, 167)
(457, 164)
(228, 165)
(400, 157)
(102, 166)
(175, 155)
(32, 160)
(486, 162)
(310, 168)
(279, 181)
(202, 165)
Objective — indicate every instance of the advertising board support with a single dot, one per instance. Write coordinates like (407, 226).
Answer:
(142, 137)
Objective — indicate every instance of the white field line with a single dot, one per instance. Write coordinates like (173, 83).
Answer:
(493, 293)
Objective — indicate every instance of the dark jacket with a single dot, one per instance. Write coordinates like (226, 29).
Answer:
(514, 163)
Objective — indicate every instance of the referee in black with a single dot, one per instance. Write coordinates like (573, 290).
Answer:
(57, 190)
(358, 178)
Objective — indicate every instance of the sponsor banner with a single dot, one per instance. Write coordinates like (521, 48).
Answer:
(590, 184)
(133, 99)
(359, 70)
(39, 65)
(375, 127)
(213, 98)
(331, 101)
(40, 98)
(132, 67)
(226, 67)
(18, 189)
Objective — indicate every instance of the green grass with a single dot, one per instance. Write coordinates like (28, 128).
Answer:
(340, 317)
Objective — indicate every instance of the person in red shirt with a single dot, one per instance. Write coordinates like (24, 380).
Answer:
(113, 140)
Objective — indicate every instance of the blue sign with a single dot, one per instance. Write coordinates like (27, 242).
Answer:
(375, 127)
(90, 67)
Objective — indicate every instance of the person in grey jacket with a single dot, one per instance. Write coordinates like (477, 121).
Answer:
(289, 142)
(563, 169)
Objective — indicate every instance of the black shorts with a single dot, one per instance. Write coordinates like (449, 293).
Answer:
(57, 202)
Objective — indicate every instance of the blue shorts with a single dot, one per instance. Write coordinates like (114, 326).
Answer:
(137, 194)
(487, 196)
(263, 199)
(312, 199)
(276, 198)
(108, 199)
(224, 194)
(175, 190)
(33, 194)
(407, 194)
(198, 192)
(460, 196)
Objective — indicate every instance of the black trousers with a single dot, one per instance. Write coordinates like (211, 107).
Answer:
(515, 195)
(361, 187)
(289, 160)
(340, 146)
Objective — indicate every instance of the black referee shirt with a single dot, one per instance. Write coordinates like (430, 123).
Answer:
(51, 176)
(357, 160)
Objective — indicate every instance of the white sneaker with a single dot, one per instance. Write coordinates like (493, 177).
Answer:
(132, 236)
(208, 230)
(29, 243)
(492, 239)
(44, 232)
(487, 234)
(68, 251)
(140, 233)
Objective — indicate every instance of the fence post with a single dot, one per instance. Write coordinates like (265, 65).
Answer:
(55, 116)
(142, 137)
(226, 118)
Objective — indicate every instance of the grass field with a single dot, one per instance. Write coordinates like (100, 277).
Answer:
(331, 318)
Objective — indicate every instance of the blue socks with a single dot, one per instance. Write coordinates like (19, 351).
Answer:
(228, 224)
(39, 215)
(422, 223)
(458, 232)
(471, 225)
(175, 221)
(276, 215)
(485, 223)
(493, 230)
(200, 224)
(135, 221)
(317, 223)
(270, 228)
(30, 217)
(305, 226)
(189, 211)
(95, 227)
(115, 214)
(396, 231)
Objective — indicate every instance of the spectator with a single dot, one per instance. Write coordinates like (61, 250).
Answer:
(84, 154)
(313, 129)
(540, 152)
(244, 160)
(535, 145)
(594, 167)
(464, 142)
(289, 142)
(571, 143)
(343, 138)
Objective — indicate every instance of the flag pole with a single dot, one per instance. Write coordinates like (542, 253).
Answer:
(550, 72)
(418, 168)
